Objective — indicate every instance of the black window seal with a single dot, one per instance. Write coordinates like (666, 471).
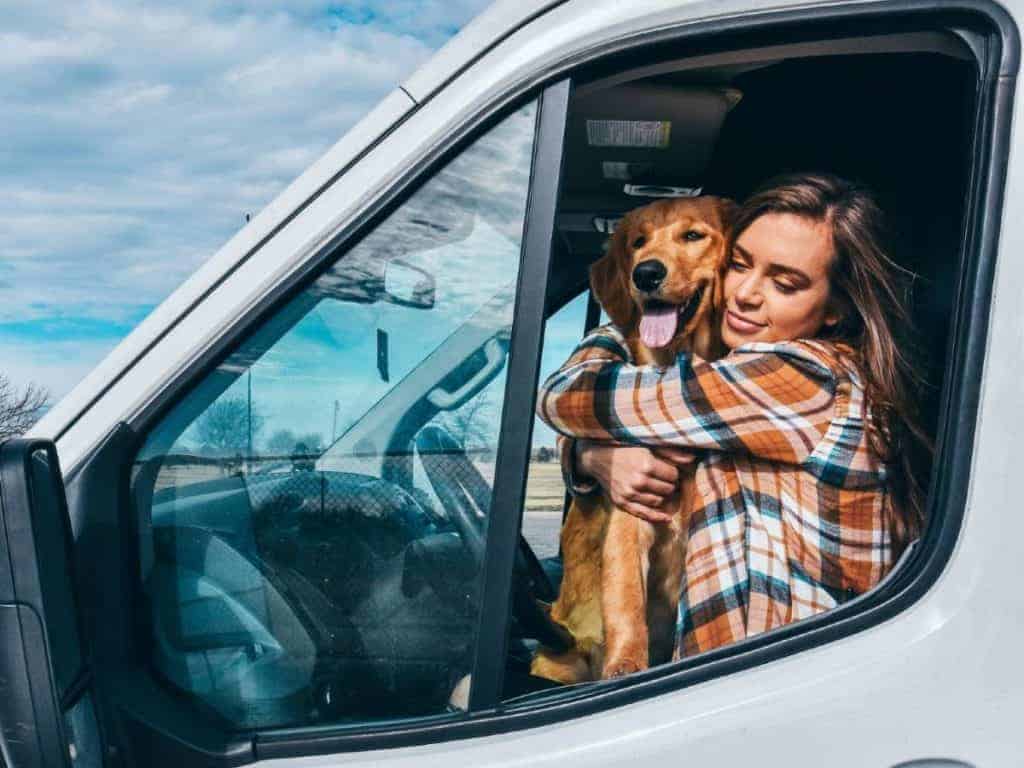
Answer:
(960, 397)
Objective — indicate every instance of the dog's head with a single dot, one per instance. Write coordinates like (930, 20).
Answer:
(661, 274)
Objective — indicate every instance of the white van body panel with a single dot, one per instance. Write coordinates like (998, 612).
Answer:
(943, 678)
(496, 22)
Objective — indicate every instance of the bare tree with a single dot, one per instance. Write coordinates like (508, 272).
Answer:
(20, 410)
(473, 425)
(283, 442)
(224, 428)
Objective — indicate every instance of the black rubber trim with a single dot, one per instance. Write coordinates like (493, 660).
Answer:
(956, 430)
(505, 518)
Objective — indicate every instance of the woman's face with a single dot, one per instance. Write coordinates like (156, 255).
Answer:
(776, 284)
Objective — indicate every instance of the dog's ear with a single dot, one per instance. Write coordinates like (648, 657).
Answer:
(727, 210)
(609, 280)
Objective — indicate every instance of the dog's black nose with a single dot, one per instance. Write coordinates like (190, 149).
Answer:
(647, 275)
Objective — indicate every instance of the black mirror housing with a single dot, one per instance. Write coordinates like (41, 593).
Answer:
(46, 695)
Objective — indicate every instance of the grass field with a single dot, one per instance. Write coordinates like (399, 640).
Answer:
(545, 490)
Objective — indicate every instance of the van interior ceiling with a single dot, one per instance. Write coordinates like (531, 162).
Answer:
(894, 112)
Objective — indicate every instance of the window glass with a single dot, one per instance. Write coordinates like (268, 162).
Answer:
(545, 491)
(314, 510)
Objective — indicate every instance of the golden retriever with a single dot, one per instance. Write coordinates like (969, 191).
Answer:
(660, 283)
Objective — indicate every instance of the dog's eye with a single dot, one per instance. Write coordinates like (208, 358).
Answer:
(692, 236)
(639, 242)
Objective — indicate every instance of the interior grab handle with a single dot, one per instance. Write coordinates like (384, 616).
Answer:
(495, 353)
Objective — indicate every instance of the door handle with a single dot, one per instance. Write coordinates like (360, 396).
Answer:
(449, 401)
(934, 762)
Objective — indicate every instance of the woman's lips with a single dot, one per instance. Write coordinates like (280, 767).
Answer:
(741, 324)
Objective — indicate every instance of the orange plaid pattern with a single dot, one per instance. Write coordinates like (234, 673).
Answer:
(791, 512)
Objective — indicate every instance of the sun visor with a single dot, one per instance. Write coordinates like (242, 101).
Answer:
(637, 136)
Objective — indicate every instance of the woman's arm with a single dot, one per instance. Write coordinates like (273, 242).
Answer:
(770, 400)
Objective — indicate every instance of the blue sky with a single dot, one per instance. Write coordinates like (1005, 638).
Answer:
(137, 135)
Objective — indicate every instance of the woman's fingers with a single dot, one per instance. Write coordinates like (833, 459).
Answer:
(659, 469)
(679, 457)
(661, 488)
(646, 500)
(649, 514)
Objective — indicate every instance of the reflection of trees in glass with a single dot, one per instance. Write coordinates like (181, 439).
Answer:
(284, 442)
(226, 427)
(481, 195)
(544, 454)
(473, 425)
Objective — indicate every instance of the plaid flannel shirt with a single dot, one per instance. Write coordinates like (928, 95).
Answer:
(790, 518)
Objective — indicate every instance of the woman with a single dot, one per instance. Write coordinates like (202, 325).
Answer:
(806, 492)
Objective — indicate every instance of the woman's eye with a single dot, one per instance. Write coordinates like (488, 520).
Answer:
(737, 266)
(784, 287)
(692, 236)
(639, 242)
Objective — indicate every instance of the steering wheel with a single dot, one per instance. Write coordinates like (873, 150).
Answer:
(462, 491)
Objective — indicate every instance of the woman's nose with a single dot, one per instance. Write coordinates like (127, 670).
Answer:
(748, 293)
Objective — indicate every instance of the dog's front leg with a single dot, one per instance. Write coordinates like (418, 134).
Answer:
(624, 567)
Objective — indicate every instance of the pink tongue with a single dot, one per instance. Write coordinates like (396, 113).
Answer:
(658, 326)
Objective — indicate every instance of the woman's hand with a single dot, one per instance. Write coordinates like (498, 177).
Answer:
(637, 480)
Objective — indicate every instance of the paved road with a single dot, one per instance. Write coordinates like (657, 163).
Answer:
(541, 531)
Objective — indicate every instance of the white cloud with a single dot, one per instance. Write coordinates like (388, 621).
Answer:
(52, 364)
(136, 136)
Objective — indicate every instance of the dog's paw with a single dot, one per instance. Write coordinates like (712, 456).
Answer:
(621, 667)
(459, 698)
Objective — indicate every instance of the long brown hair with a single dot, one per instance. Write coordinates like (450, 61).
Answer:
(870, 293)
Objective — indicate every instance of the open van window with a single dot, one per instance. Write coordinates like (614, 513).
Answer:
(657, 131)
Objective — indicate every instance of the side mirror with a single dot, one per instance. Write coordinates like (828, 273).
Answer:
(408, 285)
(46, 711)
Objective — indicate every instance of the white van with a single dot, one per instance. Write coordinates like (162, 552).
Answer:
(302, 498)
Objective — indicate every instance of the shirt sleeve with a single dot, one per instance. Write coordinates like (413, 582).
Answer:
(774, 401)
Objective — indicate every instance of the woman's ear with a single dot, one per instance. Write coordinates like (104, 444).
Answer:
(609, 280)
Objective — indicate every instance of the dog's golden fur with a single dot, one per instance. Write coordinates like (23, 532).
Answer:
(620, 590)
